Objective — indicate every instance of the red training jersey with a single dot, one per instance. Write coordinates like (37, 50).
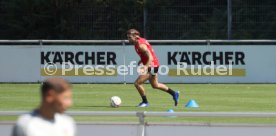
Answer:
(144, 59)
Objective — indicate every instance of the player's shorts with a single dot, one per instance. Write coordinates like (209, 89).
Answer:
(153, 70)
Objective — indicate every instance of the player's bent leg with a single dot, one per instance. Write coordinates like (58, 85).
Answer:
(139, 86)
(156, 85)
(139, 83)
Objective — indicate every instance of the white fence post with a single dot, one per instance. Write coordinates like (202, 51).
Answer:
(141, 128)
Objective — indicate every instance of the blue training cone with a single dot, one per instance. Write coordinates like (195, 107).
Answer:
(192, 104)
(170, 110)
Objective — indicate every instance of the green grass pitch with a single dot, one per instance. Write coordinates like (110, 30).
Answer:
(210, 97)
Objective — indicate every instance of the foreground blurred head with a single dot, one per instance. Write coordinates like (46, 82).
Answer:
(133, 35)
(56, 94)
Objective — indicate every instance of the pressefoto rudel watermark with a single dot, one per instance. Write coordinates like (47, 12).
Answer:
(51, 69)
(212, 69)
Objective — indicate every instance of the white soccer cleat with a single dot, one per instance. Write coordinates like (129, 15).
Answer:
(142, 104)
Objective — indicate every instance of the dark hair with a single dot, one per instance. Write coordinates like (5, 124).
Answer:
(133, 31)
(58, 85)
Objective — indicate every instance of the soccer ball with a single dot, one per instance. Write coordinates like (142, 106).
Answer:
(115, 101)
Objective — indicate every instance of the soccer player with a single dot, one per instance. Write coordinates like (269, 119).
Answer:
(49, 118)
(150, 66)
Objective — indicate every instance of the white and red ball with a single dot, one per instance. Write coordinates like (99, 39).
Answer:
(115, 101)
